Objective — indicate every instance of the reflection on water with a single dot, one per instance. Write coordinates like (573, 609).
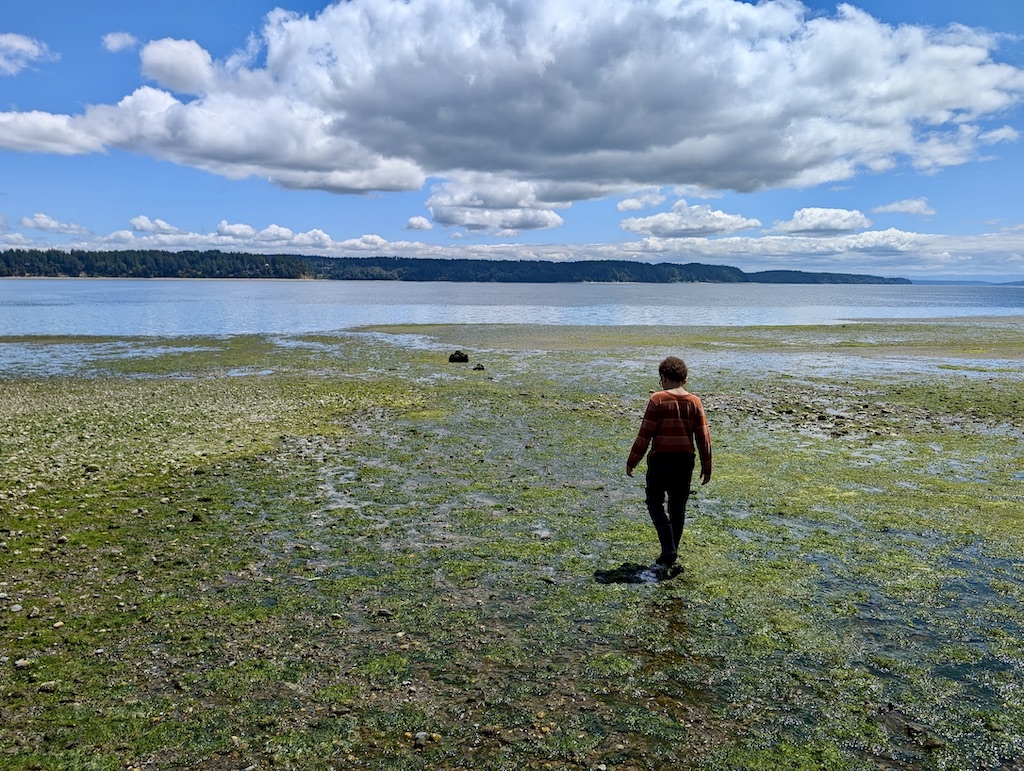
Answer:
(149, 307)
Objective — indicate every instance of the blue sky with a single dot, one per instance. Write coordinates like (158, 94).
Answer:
(872, 137)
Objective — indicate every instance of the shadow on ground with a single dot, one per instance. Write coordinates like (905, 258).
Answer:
(634, 573)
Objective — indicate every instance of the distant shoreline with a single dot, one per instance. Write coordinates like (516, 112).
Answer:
(55, 263)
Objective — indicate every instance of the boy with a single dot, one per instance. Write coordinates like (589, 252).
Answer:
(676, 429)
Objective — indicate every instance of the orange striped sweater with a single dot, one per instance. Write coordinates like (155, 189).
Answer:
(673, 423)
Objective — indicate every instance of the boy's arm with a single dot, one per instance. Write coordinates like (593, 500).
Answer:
(702, 438)
(643, 438)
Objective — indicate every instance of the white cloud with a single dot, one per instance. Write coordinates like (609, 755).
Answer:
(15, 241)
(485, 202)
(917, 206)
(43, 132)
(642, 201)
(817, 221)
(573, 98)
(275, 234)
(18, 51)
(119, 41)
(1001, 134)
(180, 65)
(501, 221)
(239, 231)
(687, 221)
(45, 222)
(419, 223)
(144, 224)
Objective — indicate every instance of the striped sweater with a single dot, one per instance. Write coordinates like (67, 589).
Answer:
(673, 423)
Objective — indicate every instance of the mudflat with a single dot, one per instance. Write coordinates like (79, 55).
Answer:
(346, 552)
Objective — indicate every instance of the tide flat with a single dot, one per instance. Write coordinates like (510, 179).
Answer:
(341, 551)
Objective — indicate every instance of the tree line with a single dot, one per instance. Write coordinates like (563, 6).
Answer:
(218, 264)
(54, 263)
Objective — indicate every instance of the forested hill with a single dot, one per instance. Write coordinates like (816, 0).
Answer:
(216, 264)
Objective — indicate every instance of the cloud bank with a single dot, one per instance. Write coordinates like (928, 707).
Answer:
(881, 252)
(522, 109)
(506, 115)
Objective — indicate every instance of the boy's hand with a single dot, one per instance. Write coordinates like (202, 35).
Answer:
(629, 471)
(705, 476)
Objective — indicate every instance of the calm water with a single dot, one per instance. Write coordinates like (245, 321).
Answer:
(174, 308)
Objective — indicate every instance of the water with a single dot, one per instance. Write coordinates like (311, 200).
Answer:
(178, 308)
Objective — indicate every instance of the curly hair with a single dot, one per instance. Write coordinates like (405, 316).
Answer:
(673, 368)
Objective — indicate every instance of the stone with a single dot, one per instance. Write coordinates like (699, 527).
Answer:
(459, 357)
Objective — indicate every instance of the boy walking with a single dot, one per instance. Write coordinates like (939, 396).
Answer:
(676, 430)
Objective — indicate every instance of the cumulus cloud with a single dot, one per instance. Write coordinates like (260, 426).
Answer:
(146, 225)
(419, 223)
(44, 132)
(685, 221)
(485, 202)
(817, 221)
(18, 51)
(503, 222)
(45, 222)
(576, 99)
(236, 230)
(642, 201)
(119, 41)
(179, 65)
(917, 206)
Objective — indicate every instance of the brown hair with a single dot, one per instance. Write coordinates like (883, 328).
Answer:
(673, 368)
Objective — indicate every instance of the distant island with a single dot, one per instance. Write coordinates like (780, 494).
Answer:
(55, 263)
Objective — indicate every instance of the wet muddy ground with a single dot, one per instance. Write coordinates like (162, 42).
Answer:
(345, 552)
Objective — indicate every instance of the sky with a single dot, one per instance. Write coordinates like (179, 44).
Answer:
(872, 137)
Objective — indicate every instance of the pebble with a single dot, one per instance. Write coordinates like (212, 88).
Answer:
(422, 737)
(15, 609)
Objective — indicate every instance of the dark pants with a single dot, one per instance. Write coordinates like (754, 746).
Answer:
(668, 476)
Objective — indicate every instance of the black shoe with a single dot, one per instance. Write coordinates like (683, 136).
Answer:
(667, 560)
(659, 572)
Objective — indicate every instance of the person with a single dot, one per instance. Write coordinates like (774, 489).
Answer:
(675, 429)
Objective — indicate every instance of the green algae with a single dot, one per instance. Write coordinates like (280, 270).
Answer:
(312, 553)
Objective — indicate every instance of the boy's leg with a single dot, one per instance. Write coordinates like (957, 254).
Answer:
(656, 491)
(678, 493)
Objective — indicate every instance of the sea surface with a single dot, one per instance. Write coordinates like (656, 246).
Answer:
(196, 307)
